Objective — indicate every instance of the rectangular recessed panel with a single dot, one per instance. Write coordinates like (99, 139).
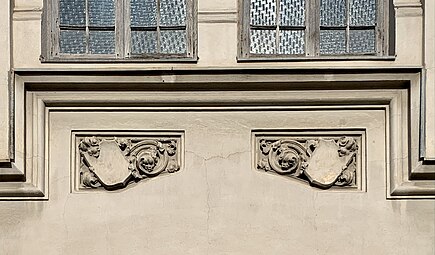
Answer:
(72, 12)
(362, 12)
(107, 160)
(101, 12)
(102, 42)
(333, 12)
(143, 13)
(263, 12)
(292, 42)
(263, 41)
(143, 42)
(362, 41)
(72, 41)
(172, 12)
(292, 12)
(173, 41)
(326, 160)
(332, 41)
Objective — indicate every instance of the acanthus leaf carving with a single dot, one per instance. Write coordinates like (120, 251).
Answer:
(323, 162)
(113, 162)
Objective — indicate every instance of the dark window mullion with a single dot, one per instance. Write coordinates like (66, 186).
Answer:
(278, 23)
(87, 25)
(347, 25)
(158, 25)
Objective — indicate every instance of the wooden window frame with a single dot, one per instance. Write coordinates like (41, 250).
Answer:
(384, 45)
(51, 32)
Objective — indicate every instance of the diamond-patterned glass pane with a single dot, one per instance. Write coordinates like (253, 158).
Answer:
(263, 41)
(263, 12)
(292, 12)
(291, 42)
(72, 12)
(173, 41)
(72, 41)
(101, 12)
(332, 41)
(362, 12)
(172, 12)
(362, 41)
(333, 12)
(143, 13)
(102, 42)
(143, 42)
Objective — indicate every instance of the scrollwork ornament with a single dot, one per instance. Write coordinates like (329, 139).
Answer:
(136, 159)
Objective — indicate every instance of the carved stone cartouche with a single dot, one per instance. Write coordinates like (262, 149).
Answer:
(322, 162)
(113, 162)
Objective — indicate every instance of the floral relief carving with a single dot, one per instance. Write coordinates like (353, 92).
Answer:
(114, 162)
(322, 162)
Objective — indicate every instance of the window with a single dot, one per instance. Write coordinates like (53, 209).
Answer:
(124, 30)
(313, 28)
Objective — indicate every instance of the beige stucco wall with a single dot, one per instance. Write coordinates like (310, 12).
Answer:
(217, 203)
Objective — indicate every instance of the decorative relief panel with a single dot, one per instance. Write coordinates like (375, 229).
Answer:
(113, 161)
(322, 161)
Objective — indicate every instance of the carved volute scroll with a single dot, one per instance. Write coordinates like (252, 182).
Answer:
(112, 162)
(323, 162)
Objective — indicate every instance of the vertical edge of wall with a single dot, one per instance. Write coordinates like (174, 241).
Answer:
(5, 63)
(428, 108)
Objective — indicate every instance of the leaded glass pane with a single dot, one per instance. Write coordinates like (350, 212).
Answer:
(72, 41)
(292, 42)
(72, 12)
(362, 12)
(172, 12)
(263, 41)
(292, 12)
(101, 12)
(102, 42)
(143, 42)
(263, 12)
(143, 13)
(362, 41)
(333, 12)
(332, 41)
(173, 41)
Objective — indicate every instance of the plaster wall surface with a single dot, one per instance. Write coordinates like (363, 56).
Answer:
(217, 203)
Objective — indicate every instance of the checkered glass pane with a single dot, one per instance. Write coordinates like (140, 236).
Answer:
(72, 12)
(292, 12)
(263, 12)
(101, 12)
(263, 41)
(102, 42)
(333, 12)
(362, 12)
(332, 41)
(362, 41)
(143, 13)
(143, 42)
(291, 42)
(173, 41)
(172, 12)
(72, 41)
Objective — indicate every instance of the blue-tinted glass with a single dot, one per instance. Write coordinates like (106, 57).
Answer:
(143, 13)
(72, 12)
(172, 12)
(72, 41)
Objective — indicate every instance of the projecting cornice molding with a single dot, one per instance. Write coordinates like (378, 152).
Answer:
(37, 93)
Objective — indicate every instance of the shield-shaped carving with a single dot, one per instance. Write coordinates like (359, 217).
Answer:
(325, 165)
(111, 167)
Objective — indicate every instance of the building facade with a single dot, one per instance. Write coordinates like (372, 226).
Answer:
(217, 127)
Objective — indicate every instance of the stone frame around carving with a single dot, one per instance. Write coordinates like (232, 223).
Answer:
(75, 155)
(358, 134)
(36, 93)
